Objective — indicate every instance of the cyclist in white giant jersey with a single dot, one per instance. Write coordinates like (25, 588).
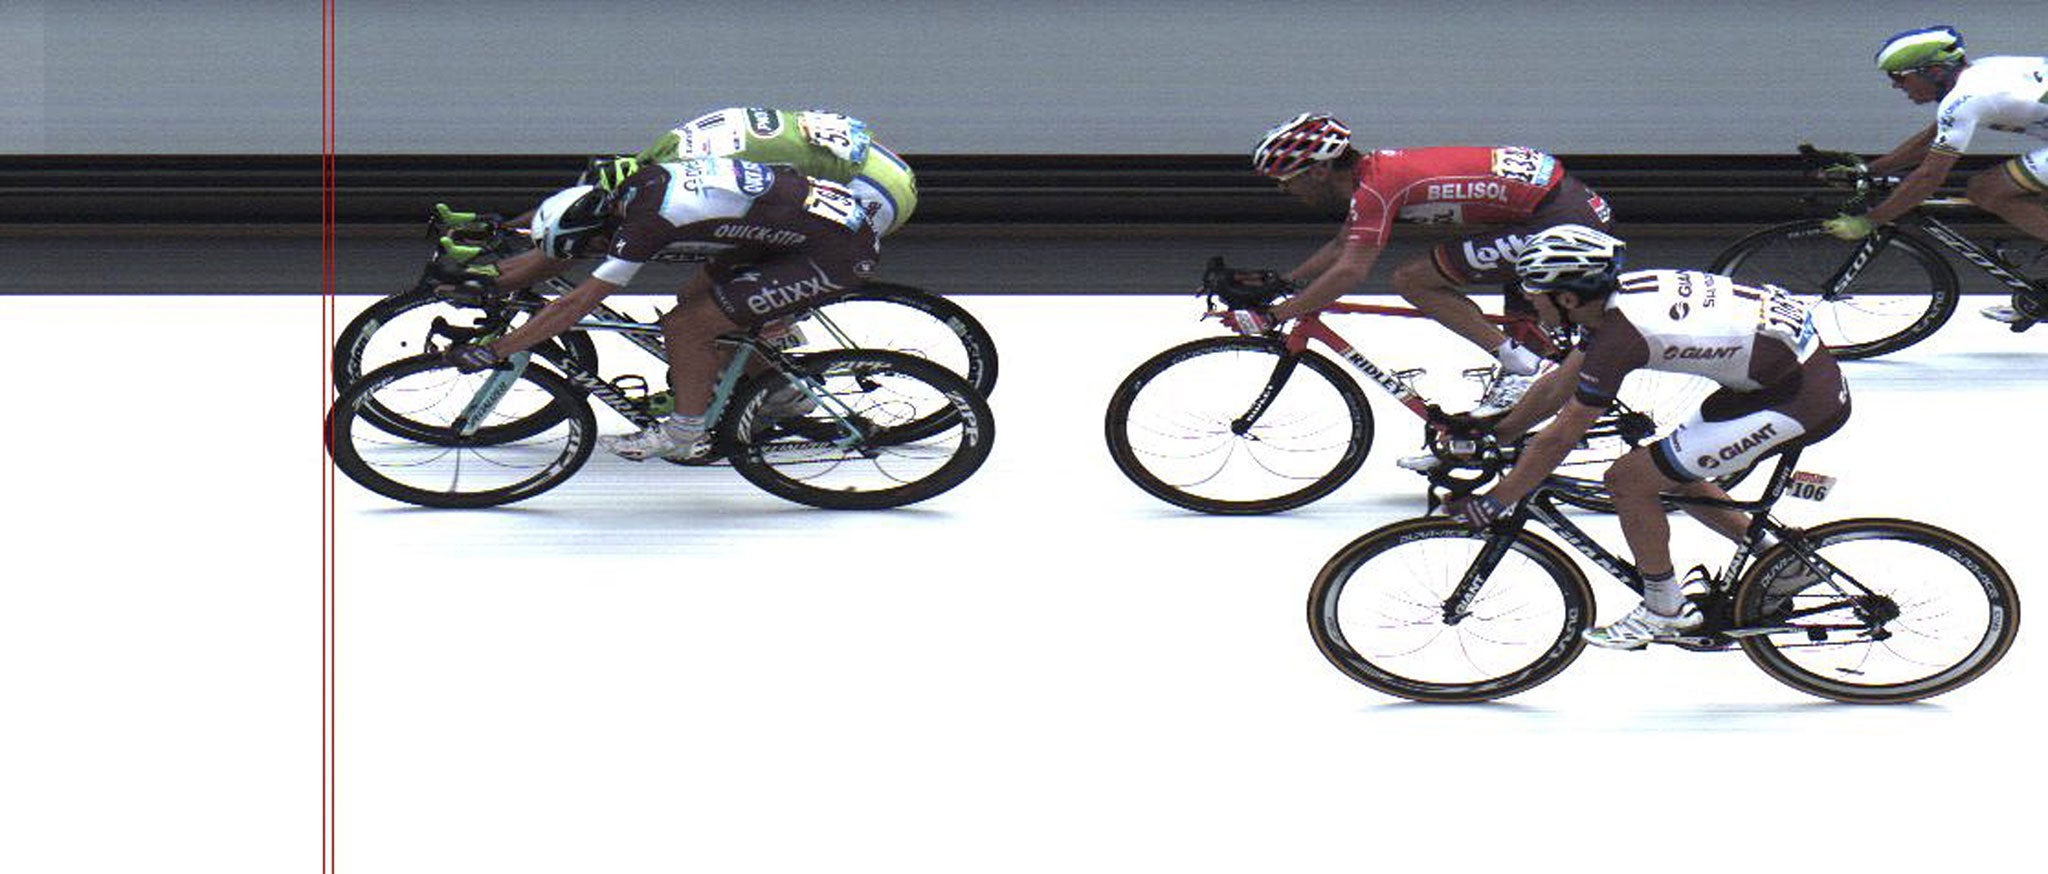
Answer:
(821, 145)
(779, 242)
(1780, 389)
(1995, 93)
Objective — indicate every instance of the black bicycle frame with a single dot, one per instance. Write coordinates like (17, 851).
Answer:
(1542, 507)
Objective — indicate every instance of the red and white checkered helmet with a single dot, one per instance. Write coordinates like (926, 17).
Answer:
(1292, 147)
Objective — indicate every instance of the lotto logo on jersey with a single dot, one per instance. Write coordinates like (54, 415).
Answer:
(764, 122)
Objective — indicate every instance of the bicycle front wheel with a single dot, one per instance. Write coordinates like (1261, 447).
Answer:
(420, 323)
(869, 441)
(452, 469)
(1902, 295)
(1177, 426)
(1377, 611)
(1928, 611)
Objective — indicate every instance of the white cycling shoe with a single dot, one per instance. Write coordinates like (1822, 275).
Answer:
(1502, 391)
(665, 440)
(1641, 627)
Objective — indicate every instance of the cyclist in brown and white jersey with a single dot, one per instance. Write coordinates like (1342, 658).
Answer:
(779, 242)
(1780, 389)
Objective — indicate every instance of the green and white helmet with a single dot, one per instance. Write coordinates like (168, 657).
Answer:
(1937, 46)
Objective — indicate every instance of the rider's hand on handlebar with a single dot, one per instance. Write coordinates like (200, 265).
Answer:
(1478, 512)
(1251, 322)
(471, 357)
(1849, 227)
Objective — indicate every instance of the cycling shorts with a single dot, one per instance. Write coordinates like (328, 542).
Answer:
(1490, 256)
(1733, 430)
(2030, 171)
(767, 289)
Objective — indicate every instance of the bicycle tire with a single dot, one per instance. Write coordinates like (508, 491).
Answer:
(432, 473)
(970, 351)
(374, 338)
(1779, 591)
(1421, 584)
(896, 460)
(1169, 427)
(1905, 294)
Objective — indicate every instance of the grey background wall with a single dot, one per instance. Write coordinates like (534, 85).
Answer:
(953, 77)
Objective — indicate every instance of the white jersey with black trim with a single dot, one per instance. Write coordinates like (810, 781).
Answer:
(2001, 93)
(1687, 321)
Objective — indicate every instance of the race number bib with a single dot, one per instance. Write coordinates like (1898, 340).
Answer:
(833, 202)
(846, 137)
(1527, 166)
(1809, 486)
(1787, 319)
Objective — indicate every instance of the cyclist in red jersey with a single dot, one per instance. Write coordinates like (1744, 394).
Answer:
(1517, 192)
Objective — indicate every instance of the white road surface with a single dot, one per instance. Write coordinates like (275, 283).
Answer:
(654, 668)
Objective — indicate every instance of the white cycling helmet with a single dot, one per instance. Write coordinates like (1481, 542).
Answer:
(1568, 258)
(1304, 140)
(563, 221)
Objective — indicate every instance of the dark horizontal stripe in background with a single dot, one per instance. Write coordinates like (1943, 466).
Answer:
(1064, 189)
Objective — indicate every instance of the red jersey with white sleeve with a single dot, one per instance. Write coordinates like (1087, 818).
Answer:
(1447, 185)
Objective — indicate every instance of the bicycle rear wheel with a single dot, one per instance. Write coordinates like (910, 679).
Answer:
(405, 324)
(1900, 297)
(1377, 613)
(1175, 426)
(1938, 613)
(480, 469)
(901, 318)
(870, 443)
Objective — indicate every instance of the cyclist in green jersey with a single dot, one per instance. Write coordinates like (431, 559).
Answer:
(822, 145)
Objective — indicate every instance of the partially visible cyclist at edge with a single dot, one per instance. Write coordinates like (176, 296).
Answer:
(1779, 389)
(1515, 191)
(782, 242)
(1998, 93)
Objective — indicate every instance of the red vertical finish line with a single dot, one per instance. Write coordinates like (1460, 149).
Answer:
(327, 327)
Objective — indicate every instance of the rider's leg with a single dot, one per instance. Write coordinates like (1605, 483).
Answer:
(2011, 192)
(1427, 289)
(693, 358)
(1635, 482)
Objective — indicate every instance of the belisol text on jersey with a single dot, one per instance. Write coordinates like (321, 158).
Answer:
(1474, 190)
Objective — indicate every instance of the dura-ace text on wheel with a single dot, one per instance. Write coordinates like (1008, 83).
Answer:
(464, 463)
(1196, 426)
(1938, 613)
(1383, 611)
(1899, 295)
(871, 442)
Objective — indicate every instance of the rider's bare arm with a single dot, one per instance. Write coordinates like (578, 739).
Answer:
(1546, 451)
(1318, 262)
(1907, 154)
(1917, 187)
(527, 268)
(1543, 399)
(1352, 263)
(559, 315)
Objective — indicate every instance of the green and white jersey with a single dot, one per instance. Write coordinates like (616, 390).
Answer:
(825, 145)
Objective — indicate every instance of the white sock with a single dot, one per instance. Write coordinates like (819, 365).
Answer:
(1662, 595)
(1517, 359)
(681, 426)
